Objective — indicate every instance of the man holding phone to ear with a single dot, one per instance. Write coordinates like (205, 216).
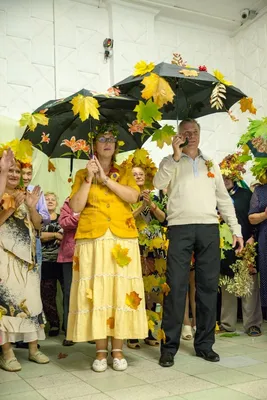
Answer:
(195, 189)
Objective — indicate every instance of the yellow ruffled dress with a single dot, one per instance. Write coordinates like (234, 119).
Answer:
(107, 292)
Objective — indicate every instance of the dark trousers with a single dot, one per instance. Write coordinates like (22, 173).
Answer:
(67, 278)
(203, 240)
(51, 273)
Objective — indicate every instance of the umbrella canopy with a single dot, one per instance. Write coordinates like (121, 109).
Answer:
(63, 124)
(192, 93)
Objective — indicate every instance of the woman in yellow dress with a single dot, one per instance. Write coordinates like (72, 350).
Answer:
(107, 292)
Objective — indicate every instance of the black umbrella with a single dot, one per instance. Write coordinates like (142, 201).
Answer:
(63, 124)
(192, 93)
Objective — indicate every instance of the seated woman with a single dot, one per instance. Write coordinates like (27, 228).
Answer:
(20, 300)
(107, 291)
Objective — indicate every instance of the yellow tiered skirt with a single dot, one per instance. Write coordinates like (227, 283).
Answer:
(106, 299)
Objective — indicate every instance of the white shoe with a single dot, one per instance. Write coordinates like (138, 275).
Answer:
(100, 365)
(187, 332)
(119, 364)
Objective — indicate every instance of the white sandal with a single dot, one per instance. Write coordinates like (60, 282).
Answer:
(119, 364)
(100, 365)
(187, 332)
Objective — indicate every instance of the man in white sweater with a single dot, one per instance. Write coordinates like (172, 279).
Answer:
(196, 190)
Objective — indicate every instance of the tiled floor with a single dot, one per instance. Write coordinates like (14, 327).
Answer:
(241, 374)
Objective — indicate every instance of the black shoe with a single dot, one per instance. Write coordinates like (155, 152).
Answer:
(68, 343)
(208, 355)
(166, 360)
(54, 331)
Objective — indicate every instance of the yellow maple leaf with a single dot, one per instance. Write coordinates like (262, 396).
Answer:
(161, 335)
(111, 322)
(141, 68)
(221, 243)
(245, 149)
(51, 166)
(189, 72)
(140, 224)
(221, 78)
(140, 156)
(151, 325)
(120, 255)
(157, 243)
(158, 88)
(246, 104)
(31, 120)
(217, 328)
(89, 294)
(150, 282)
(130, 222)
(75, 265)
(85, 106)
(165, 288)
(133, 300)
(160, 265)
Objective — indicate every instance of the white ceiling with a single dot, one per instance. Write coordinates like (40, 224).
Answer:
(221, 14)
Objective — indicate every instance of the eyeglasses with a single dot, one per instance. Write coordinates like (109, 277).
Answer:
(103, 139)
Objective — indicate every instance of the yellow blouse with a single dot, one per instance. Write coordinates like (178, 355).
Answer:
(104, 209)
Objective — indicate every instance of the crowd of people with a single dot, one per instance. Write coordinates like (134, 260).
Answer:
(133, 264)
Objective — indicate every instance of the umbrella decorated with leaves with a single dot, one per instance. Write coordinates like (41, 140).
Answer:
(65, 127)
(177, 91)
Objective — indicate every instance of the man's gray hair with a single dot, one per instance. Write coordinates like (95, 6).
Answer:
(184, 121)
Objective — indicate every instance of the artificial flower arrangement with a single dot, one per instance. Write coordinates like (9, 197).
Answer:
(232, 167)
(241, 283)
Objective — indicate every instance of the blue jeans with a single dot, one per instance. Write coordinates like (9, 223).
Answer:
(39, 255)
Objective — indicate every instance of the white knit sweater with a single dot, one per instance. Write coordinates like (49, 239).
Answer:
(193, 196)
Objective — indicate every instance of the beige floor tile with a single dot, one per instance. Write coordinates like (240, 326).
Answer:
(256, 389)
(238, 362)
(261, 356)
(68, 391)
(89, 375)
(74, 362)
(12, 388)
(142, 365)
(185, 385)
(32, 370)
(144, 392)
(52, 380)
(227, 377)
(159, 375)
(96, 396)
(198, 367)
(240, 349)
(259, 370)
(116, 383)
(22, 396)
(6, 376)
(218, 394)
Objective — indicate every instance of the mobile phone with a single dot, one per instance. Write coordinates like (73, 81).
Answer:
(185, 143)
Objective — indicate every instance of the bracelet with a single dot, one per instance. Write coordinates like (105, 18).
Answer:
(105, 181)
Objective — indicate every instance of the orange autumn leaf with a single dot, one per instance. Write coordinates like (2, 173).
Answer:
(75, 265)
(51, 167)
(165, 288)
(161, 335)
(246, 104)
(120, 255)
(7, 202)
(130, 222)
(62, 355)
(189, 72)
(210, 175)
(133, 300)
(158, 88)
(111, 322)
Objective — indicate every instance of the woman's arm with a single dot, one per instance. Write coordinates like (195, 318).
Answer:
(138, 210)
(35, 218)
(68, 220)
(79, 199)
(48, 236)
(126, 193)
(257, 218)
(3, 179)
(159, 214)
(5, 214)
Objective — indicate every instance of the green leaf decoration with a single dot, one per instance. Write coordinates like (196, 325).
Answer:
(148, 112)
(163, 135)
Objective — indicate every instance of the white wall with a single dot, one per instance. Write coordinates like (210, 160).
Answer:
(51, 48)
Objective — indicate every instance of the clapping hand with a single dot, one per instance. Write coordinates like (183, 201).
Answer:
(33, 197)
(7, 160)
(19, 198)
(146, 198)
